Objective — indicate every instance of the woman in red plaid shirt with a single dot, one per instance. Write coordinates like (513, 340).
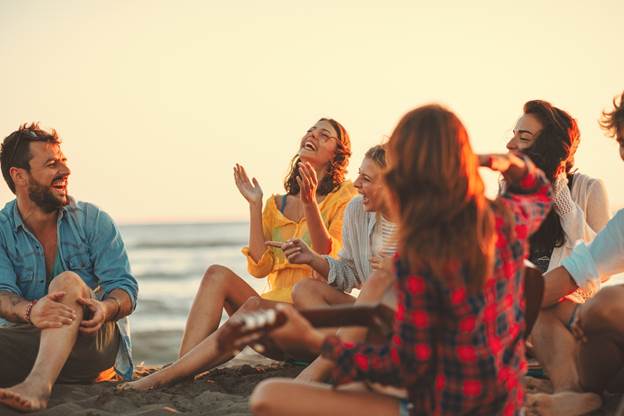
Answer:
(458, 344)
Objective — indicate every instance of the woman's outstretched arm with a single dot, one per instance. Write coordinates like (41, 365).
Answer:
(252, 192)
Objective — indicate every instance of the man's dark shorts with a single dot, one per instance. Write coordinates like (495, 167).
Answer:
(92, 354)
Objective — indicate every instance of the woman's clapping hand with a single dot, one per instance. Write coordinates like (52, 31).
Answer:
(250, 190)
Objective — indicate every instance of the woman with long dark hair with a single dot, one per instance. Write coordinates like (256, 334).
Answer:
(582, 345)
(312, 209)
(458, 344)
(550, 137)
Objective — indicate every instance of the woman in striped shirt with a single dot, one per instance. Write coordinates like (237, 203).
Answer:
(368, 238)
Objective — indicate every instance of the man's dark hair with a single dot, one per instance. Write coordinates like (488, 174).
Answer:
(613, 121)
(15, 151)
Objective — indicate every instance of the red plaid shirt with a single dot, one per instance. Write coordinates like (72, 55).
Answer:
(457, 352)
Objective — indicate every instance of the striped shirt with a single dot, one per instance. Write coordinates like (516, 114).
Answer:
(352, 267)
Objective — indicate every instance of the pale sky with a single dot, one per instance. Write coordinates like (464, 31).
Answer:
(156, 100)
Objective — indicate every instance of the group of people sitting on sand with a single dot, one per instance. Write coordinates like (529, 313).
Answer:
(414, 232)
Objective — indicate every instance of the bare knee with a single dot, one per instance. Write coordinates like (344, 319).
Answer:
(251, 304)
(303, 290)
(265, 397)
(216, 275)
(542, 328)
(70, 283)
(605, 310)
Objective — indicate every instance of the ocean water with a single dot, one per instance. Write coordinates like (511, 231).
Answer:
(169, 261)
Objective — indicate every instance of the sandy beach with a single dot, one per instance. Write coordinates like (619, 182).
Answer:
(168, 261)
(222, 391)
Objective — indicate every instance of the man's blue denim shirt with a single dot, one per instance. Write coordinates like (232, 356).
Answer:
(89, 244)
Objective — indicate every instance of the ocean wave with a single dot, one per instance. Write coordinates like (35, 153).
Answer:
(150, 245)
(172, 276)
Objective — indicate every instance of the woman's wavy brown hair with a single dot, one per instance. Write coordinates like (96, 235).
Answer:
(336, 168)
(613, 121)
(433, 178)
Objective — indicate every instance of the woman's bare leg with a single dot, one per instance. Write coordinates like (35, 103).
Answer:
(307, 294)
(219, 289)
(203, 357)
(555, 347)
(290, 397)
(599, 360)
(372, 291)
(310, 293)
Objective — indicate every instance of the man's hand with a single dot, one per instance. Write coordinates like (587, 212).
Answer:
(98, 318)
(49, 312)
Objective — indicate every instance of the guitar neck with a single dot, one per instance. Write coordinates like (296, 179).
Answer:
(337, 316)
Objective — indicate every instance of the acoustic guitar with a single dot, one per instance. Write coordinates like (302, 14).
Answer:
(376, 317)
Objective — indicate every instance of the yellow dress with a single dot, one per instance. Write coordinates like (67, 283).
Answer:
(282, 275)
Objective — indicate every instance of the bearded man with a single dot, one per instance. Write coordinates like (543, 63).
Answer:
(65, 282)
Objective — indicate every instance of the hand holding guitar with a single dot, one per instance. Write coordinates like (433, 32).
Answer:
(292, 329)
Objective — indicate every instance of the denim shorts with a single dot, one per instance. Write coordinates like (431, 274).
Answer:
(404, 406)
(572, 317)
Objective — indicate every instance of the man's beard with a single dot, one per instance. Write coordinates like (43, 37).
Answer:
(43, 197)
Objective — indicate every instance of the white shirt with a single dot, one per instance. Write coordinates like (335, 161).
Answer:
(352, 267)
(590, 264)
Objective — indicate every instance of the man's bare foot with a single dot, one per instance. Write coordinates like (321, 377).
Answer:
(25, 397)
(567, 403)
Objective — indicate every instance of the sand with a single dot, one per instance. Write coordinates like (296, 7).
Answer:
(222, 391)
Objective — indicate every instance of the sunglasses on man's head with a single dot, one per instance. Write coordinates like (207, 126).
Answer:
(29, 135)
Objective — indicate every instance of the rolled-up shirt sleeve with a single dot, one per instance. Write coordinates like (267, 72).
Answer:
(590, 264)
(8, 278)
(264, 265)
(342, 271)
(110, 259)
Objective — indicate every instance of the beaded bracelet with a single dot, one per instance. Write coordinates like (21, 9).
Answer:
(29, 309)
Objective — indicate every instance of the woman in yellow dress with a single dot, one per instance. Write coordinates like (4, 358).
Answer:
(312, 210)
